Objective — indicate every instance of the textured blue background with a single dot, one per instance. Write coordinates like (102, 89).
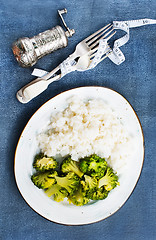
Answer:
(134, 79)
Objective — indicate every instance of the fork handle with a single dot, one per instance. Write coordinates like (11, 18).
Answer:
(34, 88)
(37, 86)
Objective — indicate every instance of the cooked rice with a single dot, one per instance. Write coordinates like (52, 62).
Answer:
(85, 128)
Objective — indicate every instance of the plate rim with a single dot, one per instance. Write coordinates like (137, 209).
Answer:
(138, 177)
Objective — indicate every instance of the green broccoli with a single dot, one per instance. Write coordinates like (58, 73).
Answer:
(59, 192)
(43, 163)
(69, 165)
(99, 194)
(109, 181)
(79, 197)
(89, 179)
(89, 184)
(44, 179)
(70, 182)
(93, 166)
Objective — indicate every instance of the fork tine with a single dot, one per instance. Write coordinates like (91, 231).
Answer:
(105, 56)
(94, 50)
(111, 35)
(97, 36)
(97, 42)
(94, 34)
(93, 53)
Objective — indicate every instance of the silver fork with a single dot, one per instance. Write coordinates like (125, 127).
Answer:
(87, 47)
(32, 90)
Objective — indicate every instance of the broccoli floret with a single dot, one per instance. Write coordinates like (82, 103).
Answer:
(109, 181)
(94, 166)
(89, 184)
(99, 194)
(70, 182)
(44, 179)
(43, 163)
(79, 198)
(59, 192)
(69, 165)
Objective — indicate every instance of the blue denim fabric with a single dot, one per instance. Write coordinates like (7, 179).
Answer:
(135, 79)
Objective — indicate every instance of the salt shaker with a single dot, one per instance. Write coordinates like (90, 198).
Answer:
(28, 50)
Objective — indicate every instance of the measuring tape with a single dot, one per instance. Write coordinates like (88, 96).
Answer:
(115, 54)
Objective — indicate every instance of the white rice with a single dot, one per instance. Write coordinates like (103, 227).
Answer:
(85, 128)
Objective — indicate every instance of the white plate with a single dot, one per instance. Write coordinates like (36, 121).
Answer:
(26, 149)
